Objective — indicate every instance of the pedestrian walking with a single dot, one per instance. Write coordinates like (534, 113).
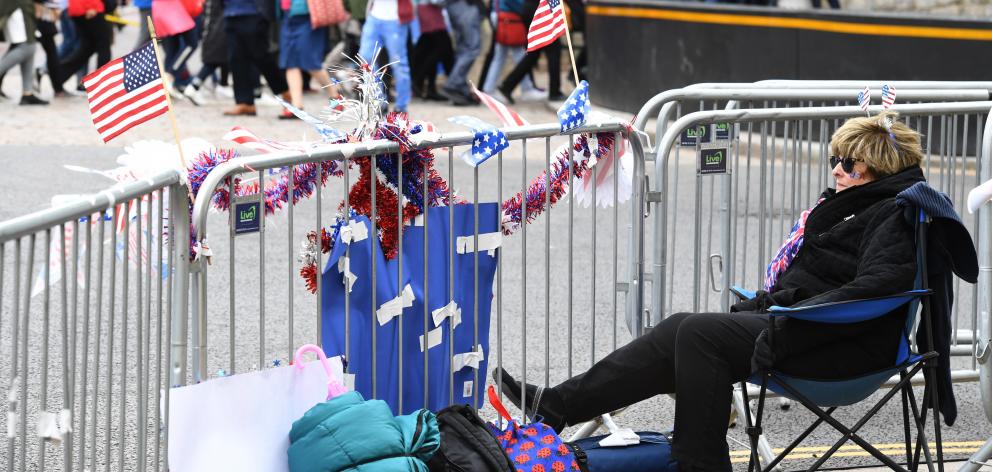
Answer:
(17, 21)
(387, 25)
(466, 19)
(247, 24)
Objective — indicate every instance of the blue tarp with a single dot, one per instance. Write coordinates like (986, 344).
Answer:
(362, 314)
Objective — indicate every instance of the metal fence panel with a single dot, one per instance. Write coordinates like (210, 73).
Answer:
(84, 316)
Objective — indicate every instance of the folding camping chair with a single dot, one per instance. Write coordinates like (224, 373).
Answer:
(817, 394)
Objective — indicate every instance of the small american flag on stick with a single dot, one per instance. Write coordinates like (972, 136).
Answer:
(864, 98)
(888, 96)
(548, 25)
(126, 92)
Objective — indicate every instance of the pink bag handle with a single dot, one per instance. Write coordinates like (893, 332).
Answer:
(334, 388)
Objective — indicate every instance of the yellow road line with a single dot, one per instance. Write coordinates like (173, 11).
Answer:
(969, 34)
(893, 449)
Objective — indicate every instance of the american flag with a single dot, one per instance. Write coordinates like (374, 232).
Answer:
(126, 92)
(548, 25)
(487, 143)
(574, 111)
(864, 98)
(505, 114)
(888, 96)
(246, 138)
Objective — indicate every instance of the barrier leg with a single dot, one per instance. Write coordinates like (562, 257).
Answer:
(180, 286)
(980, 459)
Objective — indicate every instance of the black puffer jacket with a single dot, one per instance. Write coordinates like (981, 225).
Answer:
(857, 245)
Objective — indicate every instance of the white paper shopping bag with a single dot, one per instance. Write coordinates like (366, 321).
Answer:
(242, 422)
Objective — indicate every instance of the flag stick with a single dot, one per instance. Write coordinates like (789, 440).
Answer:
(168, 97)
(571, 53)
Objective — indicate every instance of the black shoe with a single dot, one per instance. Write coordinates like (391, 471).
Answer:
(545, 402)
(507, 94)
(32, 100)
(459, 99)
(557, 97)
(434, 96)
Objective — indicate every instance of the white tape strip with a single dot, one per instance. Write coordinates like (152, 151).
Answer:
(468, 359)
(54, 426)
(344, 267)
(416, 221)
(451, 310)
(12, 394)
(487, 242)
(12, 419)
(433, 338)
(354, 231)
(394, 307)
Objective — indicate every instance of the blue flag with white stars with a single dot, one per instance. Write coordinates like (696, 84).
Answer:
(487, 143)
(574, 111)
(489, 140)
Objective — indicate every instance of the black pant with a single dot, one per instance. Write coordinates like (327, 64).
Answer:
(553, 54)
(248, 45)
(432, 48)
(94, 35)
(48, 31)
(700, 356)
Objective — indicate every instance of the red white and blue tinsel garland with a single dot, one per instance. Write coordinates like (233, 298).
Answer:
(418, 165)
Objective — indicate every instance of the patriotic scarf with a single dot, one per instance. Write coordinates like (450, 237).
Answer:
(786, 253)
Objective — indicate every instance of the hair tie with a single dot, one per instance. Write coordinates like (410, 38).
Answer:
(887, 124)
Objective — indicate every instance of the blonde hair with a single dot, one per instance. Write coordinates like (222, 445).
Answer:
(885, 144)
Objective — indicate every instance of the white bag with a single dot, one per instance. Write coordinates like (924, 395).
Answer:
(242, 422)
(15, 31)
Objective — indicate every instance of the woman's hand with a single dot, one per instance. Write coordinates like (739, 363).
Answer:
(90, 14)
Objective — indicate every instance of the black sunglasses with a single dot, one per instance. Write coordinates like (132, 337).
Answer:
(846, 163)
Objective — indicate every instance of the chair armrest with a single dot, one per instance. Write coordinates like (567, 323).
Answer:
(850, 311)
(742, 293)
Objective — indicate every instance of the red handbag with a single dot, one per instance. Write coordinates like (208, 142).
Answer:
(326, 12)
(193, 7)
(510, 29)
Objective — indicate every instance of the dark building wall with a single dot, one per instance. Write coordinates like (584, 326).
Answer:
(639, 48)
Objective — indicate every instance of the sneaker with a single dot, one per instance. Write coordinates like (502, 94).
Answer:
(543, 402)
(224, 91)
(176, 94)
(32, 100)
(195, 96)
(533, 95)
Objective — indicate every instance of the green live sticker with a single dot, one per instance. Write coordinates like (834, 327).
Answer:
(713, 161)
(247, 218)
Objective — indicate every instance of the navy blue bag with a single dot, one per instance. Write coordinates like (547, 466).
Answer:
(653, 454)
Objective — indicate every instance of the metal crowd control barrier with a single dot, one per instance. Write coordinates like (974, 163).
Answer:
(765, 183)
(85, 310)
(548, 289)
(983, 346)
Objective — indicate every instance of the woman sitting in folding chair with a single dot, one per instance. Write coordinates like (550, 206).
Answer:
(854, 243)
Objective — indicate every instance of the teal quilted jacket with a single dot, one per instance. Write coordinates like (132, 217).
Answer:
(348, 433)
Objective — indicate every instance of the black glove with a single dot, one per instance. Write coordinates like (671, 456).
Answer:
(763, 358)
(759, 303)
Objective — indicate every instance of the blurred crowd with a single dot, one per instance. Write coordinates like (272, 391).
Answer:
(433, 49)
